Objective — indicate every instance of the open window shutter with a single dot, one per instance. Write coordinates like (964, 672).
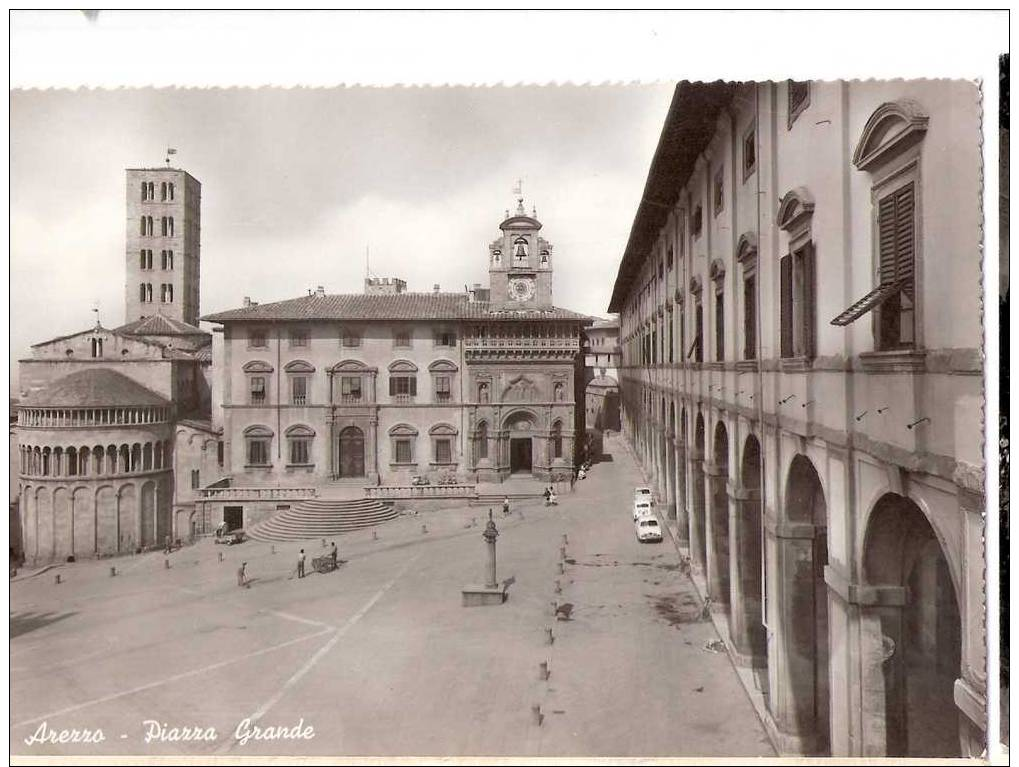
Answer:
(809, 302)
(905, 241)
(392, 386)
(886, 246)
(413, 386)
(786, 293)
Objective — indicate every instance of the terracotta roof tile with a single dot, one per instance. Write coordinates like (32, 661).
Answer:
(158, 325)
(401, 306)
(96, 387)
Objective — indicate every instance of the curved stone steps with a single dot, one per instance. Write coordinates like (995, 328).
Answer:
(321, 518)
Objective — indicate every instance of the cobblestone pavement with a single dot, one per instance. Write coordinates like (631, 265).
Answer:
(380, 658)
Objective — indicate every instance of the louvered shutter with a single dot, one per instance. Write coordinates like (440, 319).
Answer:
(809, 301)
(392, 386)
(905, 237)
(786, 297)
(413, 386)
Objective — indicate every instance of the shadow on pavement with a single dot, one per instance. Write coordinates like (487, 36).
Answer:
(23, 623)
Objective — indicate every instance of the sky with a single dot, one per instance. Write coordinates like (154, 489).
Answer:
(297, 184)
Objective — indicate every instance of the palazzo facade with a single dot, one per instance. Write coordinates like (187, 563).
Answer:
(802, 380)
(388, 387)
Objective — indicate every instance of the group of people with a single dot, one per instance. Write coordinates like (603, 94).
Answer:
(550, 497)
(242, 579)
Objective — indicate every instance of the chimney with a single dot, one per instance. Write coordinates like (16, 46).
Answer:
(435, 288)
(247, 301)
(320, 291)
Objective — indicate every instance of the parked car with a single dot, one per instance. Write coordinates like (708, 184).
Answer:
(648, 529)
(642, 509)
(643, 494)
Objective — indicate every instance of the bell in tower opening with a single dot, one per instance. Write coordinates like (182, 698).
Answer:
(520, 252)
(518, 281)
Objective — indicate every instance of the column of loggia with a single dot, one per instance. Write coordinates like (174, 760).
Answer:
(745, 615)
(716, 534)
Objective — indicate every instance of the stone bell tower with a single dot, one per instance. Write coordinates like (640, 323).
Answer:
(520, 263)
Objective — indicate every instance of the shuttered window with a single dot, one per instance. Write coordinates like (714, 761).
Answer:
(719, 326)
(896, 237)
(750, 318)
(895, 291)
(403, 386)
(786, 298)
(804, 267)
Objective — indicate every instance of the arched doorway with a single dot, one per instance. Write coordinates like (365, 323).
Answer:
(718, 560)
(350, 453)
(802, 607)
(520, 428)
(920, 639)
(698, 543)
(746, 621)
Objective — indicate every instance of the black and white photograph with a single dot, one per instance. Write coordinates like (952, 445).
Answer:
(502, 409)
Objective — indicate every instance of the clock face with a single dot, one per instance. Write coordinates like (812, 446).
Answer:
(521, 289)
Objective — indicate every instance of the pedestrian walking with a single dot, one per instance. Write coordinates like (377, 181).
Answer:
(166, 545)
(241, 580)
(300, 564)
(505, 505)
(334, 553)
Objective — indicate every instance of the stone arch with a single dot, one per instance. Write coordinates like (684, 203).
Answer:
(106, 520)
(83, 514)
(698, 527)
(802, 606)
(127, 517)
(63, 524)
(747, 576)
(44, 522)
(718, 519)
(350, 454)
(912, 639)
(147, 510)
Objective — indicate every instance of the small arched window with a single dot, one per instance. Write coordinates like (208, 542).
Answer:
(482, 440)
(557, 439)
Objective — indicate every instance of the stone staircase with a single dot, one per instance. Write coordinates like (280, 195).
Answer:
(322, 518)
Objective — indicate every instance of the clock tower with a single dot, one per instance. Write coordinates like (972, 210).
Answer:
(520, 264)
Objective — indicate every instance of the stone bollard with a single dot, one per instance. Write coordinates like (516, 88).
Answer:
(536, 715)
(220, 556)
(558, 586)
(166, 563)
(424, 529)
(565, 539)
(549, 638)
(57, 579)
(274, 548)
(113, 571)
(562, 569)
(543, 672)
(375, 535)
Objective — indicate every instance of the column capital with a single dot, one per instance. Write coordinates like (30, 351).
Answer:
(783, 529)
(863, 594)
(740, 493)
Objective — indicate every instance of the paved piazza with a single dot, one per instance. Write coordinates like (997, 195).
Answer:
(380, 658)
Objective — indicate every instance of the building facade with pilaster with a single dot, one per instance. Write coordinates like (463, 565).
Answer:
(391, 388)
(802, 381)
